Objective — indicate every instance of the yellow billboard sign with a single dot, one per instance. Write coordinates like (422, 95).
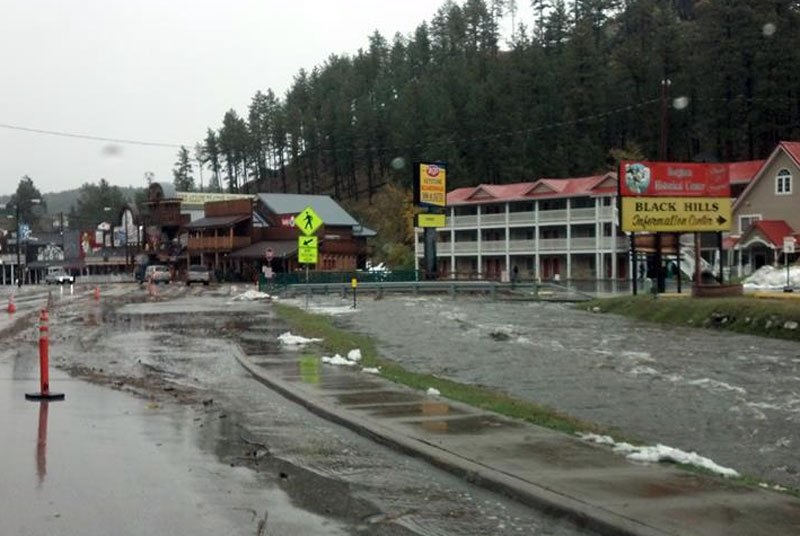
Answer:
(675, 214)
(432, 185)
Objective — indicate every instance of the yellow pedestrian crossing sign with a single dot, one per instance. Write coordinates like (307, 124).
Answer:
(307, 249)
(307, 221)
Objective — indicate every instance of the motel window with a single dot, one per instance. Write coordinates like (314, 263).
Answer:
(783, 182)
(746, 220)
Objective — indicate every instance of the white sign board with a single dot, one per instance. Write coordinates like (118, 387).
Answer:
(788, 244)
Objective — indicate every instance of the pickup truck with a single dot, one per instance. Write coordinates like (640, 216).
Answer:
(56, 275)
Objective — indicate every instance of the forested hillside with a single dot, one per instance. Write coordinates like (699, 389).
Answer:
(583, 81)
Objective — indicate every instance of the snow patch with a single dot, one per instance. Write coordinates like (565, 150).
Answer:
(432, 392)
(660, 453)
(772, 278)
(371, 370)
(250, 295)
(295, 340)
(354, 355)
(338, 360)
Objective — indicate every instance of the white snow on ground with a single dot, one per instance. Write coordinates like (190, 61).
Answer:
(772, 278)
(432, 392)
(371, 370)
(251, 295)
(352, 359)
(659, 453)
(295, 340)
(338, 360)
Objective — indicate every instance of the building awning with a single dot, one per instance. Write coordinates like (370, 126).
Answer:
(217, 221)
(768, 232)
(280, 249)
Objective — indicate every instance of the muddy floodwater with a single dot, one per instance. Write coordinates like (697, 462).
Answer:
(732, 398)
(163, 432)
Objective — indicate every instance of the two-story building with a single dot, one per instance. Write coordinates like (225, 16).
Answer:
(766, 212)
(547, 229)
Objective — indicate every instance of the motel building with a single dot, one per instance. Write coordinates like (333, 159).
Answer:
(550, 229)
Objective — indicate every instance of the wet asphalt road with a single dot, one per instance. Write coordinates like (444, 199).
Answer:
(732, 398)
(307, 476)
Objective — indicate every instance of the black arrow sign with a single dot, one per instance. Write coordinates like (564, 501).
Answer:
(308, 241)
(721, 220)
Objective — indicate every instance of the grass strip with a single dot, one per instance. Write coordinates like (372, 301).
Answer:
(752, 315)
(336, 340)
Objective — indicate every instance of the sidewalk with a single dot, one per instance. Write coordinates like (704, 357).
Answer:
(556, 472)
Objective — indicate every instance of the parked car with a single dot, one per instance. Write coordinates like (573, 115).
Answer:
(56, 275)
(157, 273)
(198, 273)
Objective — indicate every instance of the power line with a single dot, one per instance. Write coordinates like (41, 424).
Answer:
(93, 138)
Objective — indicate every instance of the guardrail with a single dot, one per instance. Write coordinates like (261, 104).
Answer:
(491, 289)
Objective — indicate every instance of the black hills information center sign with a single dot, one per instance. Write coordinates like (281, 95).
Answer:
(672, 197)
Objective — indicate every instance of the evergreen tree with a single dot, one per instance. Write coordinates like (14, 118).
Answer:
(182, 172)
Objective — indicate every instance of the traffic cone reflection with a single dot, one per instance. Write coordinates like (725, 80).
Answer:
(12, 307)
(96, 293)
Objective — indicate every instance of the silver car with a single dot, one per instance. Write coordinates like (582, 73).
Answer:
(198, 273)
(157, 273)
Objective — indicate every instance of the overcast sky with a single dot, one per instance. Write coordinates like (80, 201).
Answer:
(156, 71)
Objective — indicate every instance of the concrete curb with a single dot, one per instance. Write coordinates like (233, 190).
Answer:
(550, 502)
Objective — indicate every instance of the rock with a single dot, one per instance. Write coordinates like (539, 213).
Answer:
(790, 324)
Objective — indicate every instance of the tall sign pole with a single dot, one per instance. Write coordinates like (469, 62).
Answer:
(307, 222)
(430, 196)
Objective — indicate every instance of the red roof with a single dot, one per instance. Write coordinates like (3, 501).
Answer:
(743, 172)
(793, 149)
(773, 230)
(533, 190)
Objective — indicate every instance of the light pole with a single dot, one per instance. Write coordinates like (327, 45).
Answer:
(19, 239)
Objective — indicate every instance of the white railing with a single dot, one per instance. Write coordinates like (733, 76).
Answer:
(552, 215)
(462, 221)
(587, 244)
(553, 244)
(493, 219)
(582, 214)
(522, 246)
(522, 217)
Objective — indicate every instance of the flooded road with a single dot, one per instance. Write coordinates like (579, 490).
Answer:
(733, 398)
(201, 447)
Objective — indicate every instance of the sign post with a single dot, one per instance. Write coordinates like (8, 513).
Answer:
(354, 285)
(308, 222)
(430, 195)
(788, 247)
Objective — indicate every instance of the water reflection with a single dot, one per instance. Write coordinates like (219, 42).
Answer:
(41, 443)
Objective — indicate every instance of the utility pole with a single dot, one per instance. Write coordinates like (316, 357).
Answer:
(662, 156)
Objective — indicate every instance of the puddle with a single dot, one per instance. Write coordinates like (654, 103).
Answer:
(565, 453)
(376, 397)
(475, 424)
(424, 409)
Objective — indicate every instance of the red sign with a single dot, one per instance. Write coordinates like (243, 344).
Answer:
(673, 179)
(287, 220)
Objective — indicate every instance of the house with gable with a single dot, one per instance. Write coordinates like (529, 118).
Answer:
(546, 229)
(766, 212)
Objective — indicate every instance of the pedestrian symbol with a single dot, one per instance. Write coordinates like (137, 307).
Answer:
(307, 221)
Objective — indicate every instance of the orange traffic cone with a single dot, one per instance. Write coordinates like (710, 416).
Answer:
(12, 307)
(96, 293)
